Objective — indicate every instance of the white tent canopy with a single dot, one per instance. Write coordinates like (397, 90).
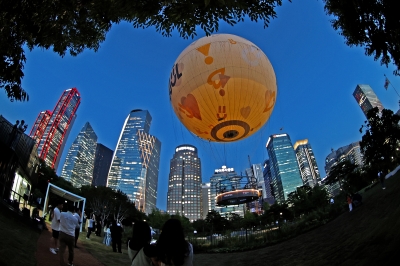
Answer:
(65, 195)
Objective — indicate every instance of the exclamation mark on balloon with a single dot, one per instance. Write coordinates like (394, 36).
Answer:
(204, 50)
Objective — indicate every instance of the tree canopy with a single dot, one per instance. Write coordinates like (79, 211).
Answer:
(381, 141)
(75, 25)
(72, 26)
(371, 24)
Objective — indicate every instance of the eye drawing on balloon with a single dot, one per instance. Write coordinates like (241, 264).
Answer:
(223, 88)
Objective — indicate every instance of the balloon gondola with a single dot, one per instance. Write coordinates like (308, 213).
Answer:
(236, 190)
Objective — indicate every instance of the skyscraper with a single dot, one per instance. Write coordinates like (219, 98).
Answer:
(184, 184)
(102, 162)
(351, 152)
(256, 171)
(134, 167)
(205, 199)
(366, 98)
(285, 172)
(229, 178)
(307, 163)
(51, 129)
(268, 196)
(79, 163)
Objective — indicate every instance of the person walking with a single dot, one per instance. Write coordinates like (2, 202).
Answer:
(55, 226)
(116, 236)
(381, 178)
(90, 226)
(350, 202)
(68, 223)
(77, 213)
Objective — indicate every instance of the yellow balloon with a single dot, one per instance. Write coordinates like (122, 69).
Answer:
(222, 88)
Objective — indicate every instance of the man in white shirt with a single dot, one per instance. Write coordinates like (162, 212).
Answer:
(55, 226)
(68, 223)
(77, 213)
(90, 226)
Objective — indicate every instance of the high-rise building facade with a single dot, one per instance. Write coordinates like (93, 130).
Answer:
(268, 196)
(351, 152)
(79, 163)
(135, 163)
(184, 184)
(102, 162)
(205, 199)
(366, 98)
(51, 129)
(256, 171)
(307, 163)
(229, 178)
(285, 172)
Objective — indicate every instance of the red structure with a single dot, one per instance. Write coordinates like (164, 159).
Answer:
(51, 128)
(40, 125)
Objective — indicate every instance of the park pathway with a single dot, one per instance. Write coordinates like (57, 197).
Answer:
(45, 258)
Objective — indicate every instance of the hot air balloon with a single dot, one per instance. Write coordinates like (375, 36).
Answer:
(222, 88)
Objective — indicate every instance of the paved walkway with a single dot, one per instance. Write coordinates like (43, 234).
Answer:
(45, 258)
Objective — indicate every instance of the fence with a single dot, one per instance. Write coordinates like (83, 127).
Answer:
(236, 239)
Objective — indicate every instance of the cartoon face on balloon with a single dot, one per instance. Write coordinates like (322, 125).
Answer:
(222, 88)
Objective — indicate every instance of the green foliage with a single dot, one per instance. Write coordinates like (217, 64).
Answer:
(157, 218)
(187, 226)
(371, 24)
(216, 221)
(235, 221)
(340, 172)
(381, 140)
(110, 204)
(47, 175)
(250, 219)
(72, 26)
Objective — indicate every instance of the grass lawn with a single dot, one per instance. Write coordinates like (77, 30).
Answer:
(102, 252)
(369, 235)
(18, 240)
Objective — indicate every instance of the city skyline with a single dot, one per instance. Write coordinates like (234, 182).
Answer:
(316, 75)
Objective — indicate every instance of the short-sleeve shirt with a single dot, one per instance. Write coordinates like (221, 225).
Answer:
(79, 220)
(140, 259)
(68, 223)
(55, 222)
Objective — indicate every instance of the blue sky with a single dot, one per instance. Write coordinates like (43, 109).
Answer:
(316, 75)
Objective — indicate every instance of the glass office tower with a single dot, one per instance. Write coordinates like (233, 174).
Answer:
(268, 196)
(134, 167)
(78, 166)
(307, 163)
(102, 162)
(285, 172)
(51, 129)
(366, 98)
(184, 184)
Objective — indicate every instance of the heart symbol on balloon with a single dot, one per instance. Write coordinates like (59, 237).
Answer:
(245, 111)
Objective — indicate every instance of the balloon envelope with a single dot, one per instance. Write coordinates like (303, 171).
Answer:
(222, 88)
